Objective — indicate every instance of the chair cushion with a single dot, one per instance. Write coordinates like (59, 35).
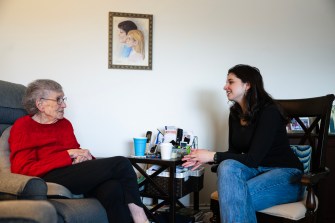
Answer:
(4, 151)
(294, 211)
(80, 210)
(10, 103)
(27, 211)
(9, 115)
(17, 186)
(10, 109)
(11, 94)
(303, 152)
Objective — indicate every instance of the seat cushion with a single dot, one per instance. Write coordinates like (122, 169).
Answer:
(303, 152)
(11, 94)
(27, 211)
(4, 151)
(80, 210)
(294, 211)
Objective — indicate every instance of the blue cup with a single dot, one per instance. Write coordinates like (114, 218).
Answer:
(140, 145)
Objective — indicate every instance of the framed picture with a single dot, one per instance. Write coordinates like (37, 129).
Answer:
(130, 41)
(294, 126)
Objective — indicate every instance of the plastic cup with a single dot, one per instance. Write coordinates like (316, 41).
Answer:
(140, 145)
(166, 150)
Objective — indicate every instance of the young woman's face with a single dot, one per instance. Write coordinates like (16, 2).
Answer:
(235, 88)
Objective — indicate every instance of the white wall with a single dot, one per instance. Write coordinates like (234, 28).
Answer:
(194, 44)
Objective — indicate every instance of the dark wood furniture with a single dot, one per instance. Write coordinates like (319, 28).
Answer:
(326, 188)
(169, 196)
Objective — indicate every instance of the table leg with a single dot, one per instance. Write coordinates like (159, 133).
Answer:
(196, 200)
(172, 189)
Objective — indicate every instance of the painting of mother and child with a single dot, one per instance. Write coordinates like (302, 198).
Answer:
(130, 40)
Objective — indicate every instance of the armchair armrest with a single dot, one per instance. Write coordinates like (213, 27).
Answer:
(17, 186)
(309, 180)
(313, 178)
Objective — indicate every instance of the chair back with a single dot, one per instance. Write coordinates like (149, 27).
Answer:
(10, 103)
(310, 118)
(10, 110)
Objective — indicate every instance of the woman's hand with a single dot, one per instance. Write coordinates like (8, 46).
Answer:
(197, 157)
(79, 155)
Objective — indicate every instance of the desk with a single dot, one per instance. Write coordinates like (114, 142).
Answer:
(168, 197)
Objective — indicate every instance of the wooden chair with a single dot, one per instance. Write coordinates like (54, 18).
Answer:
(315, 134)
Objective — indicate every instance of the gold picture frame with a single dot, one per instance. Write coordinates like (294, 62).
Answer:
(130, 41)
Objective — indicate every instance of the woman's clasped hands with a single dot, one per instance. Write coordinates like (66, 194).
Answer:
(79, 155)
(197, 157)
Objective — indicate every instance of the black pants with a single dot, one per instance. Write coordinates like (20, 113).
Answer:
(111, 180)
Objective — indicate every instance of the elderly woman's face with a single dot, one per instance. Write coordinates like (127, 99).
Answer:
(52, 107)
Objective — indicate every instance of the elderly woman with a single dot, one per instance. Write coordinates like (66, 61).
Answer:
(43, 144)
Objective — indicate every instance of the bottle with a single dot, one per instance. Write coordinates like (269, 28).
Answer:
(147, 148)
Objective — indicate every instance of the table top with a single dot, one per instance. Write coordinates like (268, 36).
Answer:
(175, 161)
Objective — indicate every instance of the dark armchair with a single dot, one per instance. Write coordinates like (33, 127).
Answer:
(20, 187)
(318, 111)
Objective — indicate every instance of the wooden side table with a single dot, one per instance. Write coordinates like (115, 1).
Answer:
(169, 196)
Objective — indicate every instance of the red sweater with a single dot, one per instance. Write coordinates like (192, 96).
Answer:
(38, 148)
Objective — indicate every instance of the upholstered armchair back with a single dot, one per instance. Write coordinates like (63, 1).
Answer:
(11, 108)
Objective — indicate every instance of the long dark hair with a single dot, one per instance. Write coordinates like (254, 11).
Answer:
(256, 96)
(127, 26)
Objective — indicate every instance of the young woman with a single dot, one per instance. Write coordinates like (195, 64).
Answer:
(259, 170)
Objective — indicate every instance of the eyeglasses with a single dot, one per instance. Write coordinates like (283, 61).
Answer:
(58, 100)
